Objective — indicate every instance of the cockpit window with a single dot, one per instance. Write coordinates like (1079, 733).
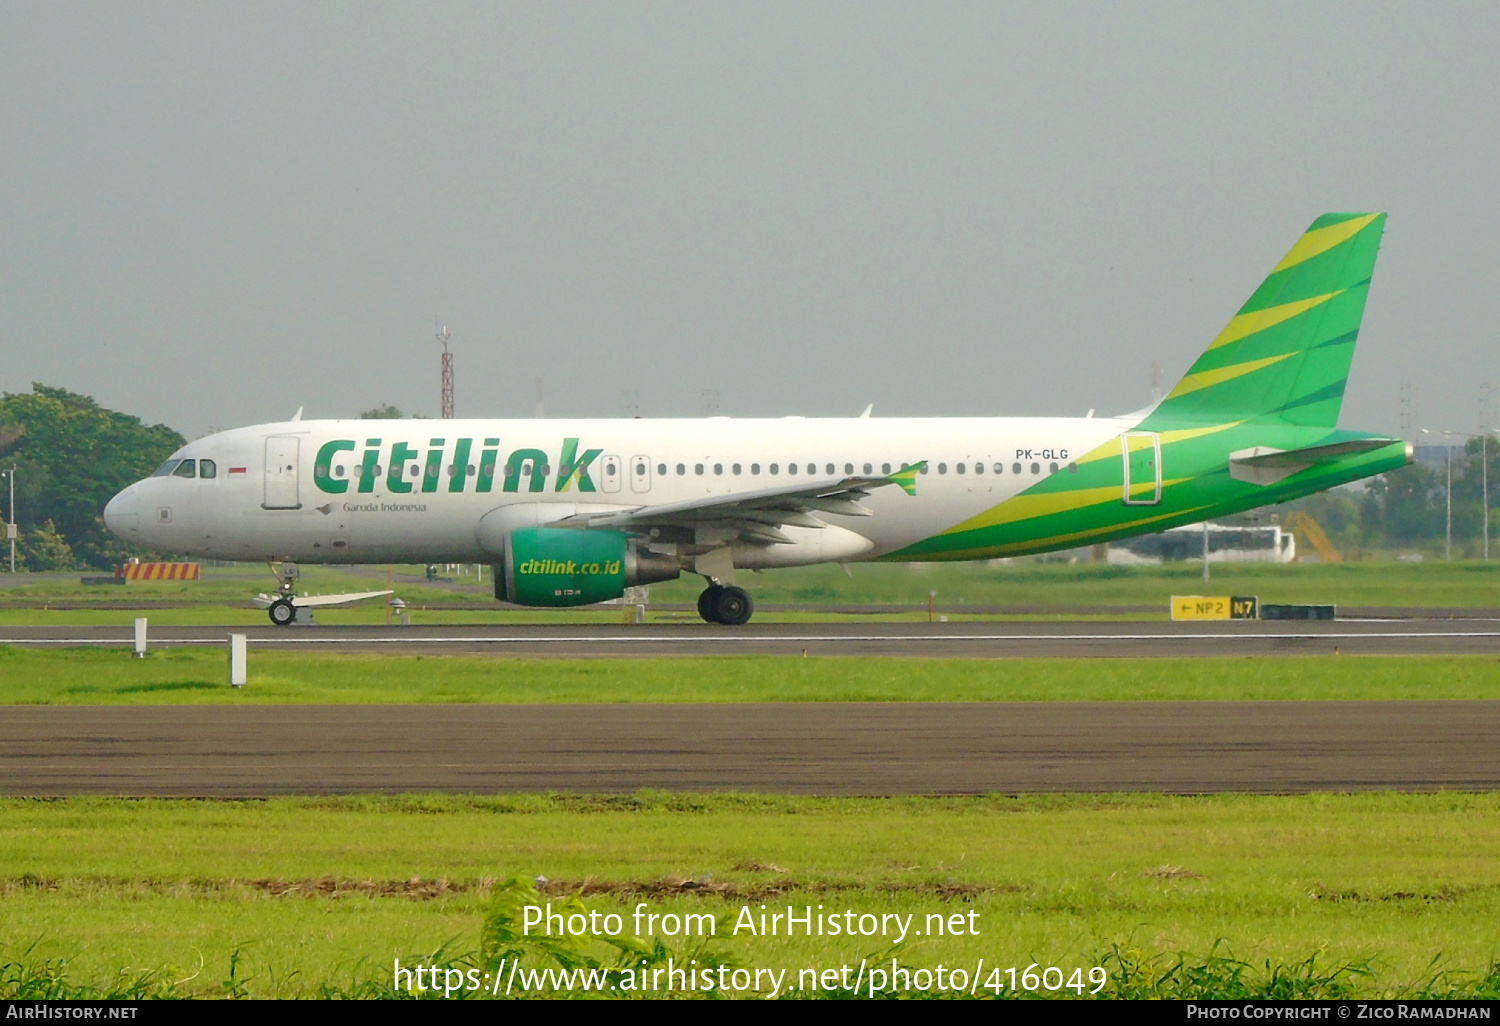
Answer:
(185, 469)
(166, 468)
(208, 468)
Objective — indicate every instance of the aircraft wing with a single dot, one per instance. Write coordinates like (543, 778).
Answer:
(758, 514)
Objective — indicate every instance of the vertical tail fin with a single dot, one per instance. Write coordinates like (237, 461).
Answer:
(1285, 356)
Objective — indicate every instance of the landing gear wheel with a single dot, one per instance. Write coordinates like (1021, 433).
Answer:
(733, 606)
(708, 603)
(282, 612)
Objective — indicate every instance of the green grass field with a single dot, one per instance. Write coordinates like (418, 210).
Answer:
(192, 675)
(1320, 895)
(322, 892)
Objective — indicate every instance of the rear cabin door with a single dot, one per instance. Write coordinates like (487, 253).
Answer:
(282, 453)
(1142, 457)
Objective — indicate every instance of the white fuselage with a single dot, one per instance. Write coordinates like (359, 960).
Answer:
(409, 491)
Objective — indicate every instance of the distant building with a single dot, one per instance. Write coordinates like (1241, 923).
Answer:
(1435, 457)
(1226, 544)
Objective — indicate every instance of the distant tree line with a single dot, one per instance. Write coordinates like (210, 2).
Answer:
(71, 456)
(1407, 508)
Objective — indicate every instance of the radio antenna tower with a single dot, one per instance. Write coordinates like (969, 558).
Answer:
(1409, 411)
(442, 337)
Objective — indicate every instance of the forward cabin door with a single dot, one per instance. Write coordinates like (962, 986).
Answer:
(282, 461)
(1141, 451)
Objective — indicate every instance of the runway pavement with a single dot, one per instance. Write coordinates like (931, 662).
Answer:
(830, 749)
(992, 640)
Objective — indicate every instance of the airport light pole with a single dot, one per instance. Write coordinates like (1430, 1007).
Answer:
(1484, 480)
(10, 528)
(1448, 460)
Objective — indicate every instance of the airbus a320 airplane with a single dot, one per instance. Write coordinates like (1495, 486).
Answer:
(571, 512)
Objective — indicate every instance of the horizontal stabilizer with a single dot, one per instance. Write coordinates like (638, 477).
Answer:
(1266, 466)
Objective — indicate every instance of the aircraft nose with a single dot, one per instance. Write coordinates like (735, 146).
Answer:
(121, 514)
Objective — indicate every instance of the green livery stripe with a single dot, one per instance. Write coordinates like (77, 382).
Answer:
(1218, 375)
(1086, 536)
(1248, 324)
(1318, 240)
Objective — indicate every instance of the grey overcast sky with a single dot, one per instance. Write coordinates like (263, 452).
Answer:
(213, 213)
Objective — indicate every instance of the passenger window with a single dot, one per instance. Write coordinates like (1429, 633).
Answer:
(755, 469)
(959, 468)
(812, 468)
(925, 468)
(774, 468)
(415, 470)
(698, 469)
(1072, 468)
(661, 470)
(942, 468)
(848, 468)
(208, 468)
(869, 468)
(999, 468)
(791, 468)
(640, 470)
(609, 470)
(681, 469)
(1052, 468)
(185, 469)
(885, 468)
(471, 470)
(338, 470)
(735, 470)
(718, 469)
(165, 470)
(979, 468)
(1036, 468)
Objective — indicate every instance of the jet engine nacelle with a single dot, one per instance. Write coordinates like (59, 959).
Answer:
(559, 566)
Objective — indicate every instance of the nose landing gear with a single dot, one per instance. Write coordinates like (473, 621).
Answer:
(725, 604)
(283, 612)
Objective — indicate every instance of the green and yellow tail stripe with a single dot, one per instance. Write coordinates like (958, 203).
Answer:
(1274, 376)
(1285, 355)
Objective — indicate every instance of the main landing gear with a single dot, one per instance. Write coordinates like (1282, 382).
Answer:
(725, 604)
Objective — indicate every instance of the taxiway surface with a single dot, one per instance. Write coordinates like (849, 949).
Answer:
(988, 640)
(813, 748)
